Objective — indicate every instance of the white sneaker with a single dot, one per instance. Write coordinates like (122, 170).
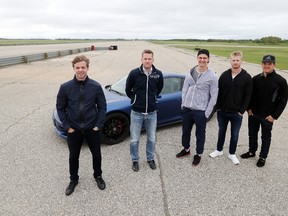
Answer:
(216, 154)
(234, 159)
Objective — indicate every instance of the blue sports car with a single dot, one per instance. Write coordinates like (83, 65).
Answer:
(117, 122)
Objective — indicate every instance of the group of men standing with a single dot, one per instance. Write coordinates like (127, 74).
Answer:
(264, 97)
(81, 107)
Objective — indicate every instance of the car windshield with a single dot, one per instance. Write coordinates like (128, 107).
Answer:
(119, 86)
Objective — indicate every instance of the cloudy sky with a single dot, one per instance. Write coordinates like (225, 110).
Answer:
(143, 19)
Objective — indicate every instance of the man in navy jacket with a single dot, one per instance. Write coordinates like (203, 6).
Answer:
(143, 85)
(81, 106)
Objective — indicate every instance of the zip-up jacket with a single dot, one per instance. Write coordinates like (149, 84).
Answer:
(200, 95)
(81, 105)
(234, 94)
(143, 90)
(269, 95)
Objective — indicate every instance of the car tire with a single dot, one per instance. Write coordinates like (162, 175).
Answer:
(116, 128)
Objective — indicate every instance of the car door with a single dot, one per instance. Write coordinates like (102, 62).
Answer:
(169, 101)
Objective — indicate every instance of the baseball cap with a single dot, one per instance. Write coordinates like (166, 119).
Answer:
(203, 51)
(269, 58)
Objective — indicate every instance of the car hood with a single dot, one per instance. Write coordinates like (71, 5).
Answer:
(117, 102)
(113, 96)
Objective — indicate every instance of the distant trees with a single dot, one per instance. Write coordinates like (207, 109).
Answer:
(269, 40)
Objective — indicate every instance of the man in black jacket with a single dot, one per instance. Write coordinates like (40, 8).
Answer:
(143, 85)
(268, 101)
(81, 106)
(235, 89)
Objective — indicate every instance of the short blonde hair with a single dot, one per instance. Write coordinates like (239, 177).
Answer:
(79, 59)
(147, 51)
(237, 53)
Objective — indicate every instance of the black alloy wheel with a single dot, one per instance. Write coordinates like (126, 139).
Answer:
(116, 128)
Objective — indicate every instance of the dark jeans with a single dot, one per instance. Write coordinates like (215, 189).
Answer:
(75, 141)
(189, 118)
(223, 119)
(254, 123)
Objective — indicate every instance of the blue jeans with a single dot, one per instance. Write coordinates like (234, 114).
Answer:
(150, 123)
(254, 123)
(236, 121)
(189, 118)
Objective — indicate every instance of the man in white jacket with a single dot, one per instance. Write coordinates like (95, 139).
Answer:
(199, 95)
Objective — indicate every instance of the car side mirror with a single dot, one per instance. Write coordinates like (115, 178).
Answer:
(108, 87)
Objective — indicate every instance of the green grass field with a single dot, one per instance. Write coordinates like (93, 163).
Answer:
(252, 52)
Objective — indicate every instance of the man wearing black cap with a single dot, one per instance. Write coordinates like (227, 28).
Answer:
(268, 101)
(199, 95)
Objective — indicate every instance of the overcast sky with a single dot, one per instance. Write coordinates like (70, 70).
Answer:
(143, 19)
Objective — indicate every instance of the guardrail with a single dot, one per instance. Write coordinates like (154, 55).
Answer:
(8, 61)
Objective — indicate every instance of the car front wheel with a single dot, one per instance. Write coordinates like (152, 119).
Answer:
(116, 128)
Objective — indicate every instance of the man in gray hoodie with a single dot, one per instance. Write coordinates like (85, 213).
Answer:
(199, 95)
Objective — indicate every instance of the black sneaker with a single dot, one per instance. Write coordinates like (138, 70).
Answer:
(261, 162)
(135, 166)
(183, 153)
(196, 160)
(247, 155)
(70, 188)
(100, 182)
(152, 164)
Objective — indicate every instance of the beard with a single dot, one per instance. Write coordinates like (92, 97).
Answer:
(235, 67)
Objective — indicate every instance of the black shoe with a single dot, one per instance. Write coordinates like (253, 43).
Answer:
(152, 164)
(261, 162)
(183, 153)
(70, 188)
(196, 160)
(247, 155)
(135, 166)
(100, 182)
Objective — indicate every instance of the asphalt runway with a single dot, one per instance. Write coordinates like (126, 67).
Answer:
(34, 160)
